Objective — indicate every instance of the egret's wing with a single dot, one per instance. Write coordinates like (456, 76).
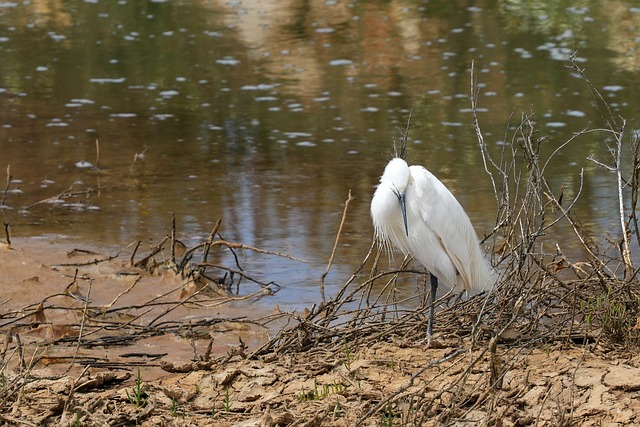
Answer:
(446, 219)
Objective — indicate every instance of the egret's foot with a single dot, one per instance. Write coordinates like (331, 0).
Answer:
(433, 341)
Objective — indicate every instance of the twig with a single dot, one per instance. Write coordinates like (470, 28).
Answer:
(232, 245)
(239, 273)
(126, 291)
(97, 153)
(626, 250)
(211, 238)
(133, 254)
(7, 232)
(82, 323)
(7, 222)
(156, 249)
(6, 188)
(173, 238)
(335, 246)
(65, 195)
(73, 387)
(617, 128)
(184, 302)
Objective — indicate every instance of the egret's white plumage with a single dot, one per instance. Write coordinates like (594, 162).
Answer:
(415, 212)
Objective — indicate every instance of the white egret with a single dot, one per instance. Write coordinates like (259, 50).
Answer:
(414, 211)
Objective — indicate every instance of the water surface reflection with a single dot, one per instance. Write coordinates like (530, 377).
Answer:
(265, 114)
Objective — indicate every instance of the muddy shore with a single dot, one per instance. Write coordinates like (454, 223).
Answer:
(89, 339)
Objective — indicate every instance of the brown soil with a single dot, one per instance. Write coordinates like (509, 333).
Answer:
(192, 360)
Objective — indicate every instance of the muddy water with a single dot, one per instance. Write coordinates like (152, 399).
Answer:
(266, 113)
(125, 319)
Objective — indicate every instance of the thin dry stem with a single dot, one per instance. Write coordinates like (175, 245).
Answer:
(335, 247)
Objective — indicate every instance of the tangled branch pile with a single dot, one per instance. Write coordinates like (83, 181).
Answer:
(542, 297)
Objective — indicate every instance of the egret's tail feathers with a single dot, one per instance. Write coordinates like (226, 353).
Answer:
(486, 278)
(482, 276)
(476, 274)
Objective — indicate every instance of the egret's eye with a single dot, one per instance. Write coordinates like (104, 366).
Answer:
(396, 192)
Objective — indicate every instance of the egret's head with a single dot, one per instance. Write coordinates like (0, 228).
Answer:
(396, 175)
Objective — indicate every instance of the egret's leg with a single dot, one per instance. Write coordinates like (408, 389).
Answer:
(432, 310)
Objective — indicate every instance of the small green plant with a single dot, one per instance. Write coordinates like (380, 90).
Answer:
(320, 392)
(387, 416)
(348, 356)
(303, 396)
(138, 396)
(174, 408)
(334, 407)
(612, 315)
(411, 409)
(227, 401)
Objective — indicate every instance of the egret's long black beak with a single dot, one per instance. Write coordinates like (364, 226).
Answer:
(403, 208)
